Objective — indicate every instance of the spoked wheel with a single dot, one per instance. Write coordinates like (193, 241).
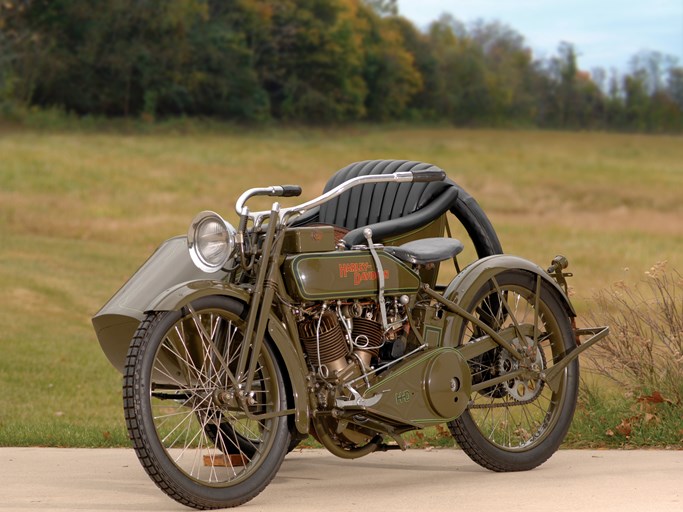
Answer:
(517, 424)
(196, 439)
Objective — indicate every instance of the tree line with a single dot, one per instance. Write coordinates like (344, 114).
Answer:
(319, 61)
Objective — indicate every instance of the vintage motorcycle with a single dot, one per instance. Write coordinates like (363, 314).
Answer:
(325, 319)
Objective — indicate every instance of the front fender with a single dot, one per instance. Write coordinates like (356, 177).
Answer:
(465, 285)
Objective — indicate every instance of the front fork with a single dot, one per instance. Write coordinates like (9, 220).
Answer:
(260, 304)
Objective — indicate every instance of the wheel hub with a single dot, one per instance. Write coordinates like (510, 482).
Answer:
(529, 385)
(222, 397)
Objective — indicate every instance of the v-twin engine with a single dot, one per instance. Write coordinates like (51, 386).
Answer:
(335, 334)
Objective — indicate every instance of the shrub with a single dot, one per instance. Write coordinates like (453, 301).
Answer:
(644, 352)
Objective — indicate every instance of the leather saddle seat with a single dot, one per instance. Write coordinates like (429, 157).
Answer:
(427, 250)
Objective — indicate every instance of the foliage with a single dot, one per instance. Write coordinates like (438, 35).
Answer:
(309, 58)
(644, 352)
(316, 61)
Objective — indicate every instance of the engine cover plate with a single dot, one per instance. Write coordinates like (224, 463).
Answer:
(430, 387)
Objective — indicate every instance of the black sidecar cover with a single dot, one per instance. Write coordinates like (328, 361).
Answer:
(393, 209)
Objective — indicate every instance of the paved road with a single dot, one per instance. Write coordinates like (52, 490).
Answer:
(46, 479)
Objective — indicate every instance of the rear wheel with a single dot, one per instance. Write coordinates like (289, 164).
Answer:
(518, 423)
(197, 441)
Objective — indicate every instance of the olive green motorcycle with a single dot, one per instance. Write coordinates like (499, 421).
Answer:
(326, 319)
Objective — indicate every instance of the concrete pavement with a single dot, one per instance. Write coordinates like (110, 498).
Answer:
(59, 479)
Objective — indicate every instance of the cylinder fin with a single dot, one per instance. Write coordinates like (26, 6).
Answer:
(332, 343)
(363, 329)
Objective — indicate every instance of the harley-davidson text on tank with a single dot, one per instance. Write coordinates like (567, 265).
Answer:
(359, 271)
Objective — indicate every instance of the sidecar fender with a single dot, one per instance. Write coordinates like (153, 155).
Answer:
(116, 322)
(466, 284)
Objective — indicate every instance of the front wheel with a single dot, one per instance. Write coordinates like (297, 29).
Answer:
(517, 424)
(197, 441)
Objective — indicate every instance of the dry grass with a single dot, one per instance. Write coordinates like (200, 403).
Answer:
(80, 211)
(644, 353)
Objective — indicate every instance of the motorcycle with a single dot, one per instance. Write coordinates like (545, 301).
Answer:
(325, 319)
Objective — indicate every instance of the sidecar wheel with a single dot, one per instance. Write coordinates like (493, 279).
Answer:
(189, 431)
(518, 424)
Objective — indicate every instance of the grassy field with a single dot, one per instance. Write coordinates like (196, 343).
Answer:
(80, 211)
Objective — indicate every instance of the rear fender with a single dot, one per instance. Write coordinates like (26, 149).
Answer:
(465, 285)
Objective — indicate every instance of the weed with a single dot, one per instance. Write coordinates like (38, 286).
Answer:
(644, 353)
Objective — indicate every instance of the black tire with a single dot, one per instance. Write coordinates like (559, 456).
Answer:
(477, 224)
(189, 432)
(517, 425)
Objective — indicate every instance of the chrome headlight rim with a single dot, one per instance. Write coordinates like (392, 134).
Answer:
(209, 228)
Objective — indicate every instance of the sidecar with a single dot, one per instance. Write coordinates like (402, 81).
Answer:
(396, 213)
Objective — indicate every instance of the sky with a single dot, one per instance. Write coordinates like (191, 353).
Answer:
(605, 33)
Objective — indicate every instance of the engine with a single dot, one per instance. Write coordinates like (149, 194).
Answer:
(371, 376)
(337, 334)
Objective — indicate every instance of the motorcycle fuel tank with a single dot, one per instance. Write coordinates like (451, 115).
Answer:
(346, 274)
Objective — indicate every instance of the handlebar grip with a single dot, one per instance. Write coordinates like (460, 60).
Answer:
(285, 191)
(291, 190)
(428, 175)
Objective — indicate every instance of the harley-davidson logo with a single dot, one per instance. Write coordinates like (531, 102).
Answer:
(360, 271)
(403, 397)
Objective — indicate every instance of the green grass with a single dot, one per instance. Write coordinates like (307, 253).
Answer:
(606, 419)
(80, 211)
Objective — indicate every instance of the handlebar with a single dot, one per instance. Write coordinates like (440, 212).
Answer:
(423, 176)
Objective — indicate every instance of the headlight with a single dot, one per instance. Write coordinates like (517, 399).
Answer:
(210, 240)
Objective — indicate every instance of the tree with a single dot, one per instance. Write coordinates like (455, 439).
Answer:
(653, 66)
(636, 100)
(458, 69)
(674, 85)
(389, 71)
(650, 100)
(219, 77)
(566, 71)
(309, 59)
(507, 71)
(424, 103)
(313, 61)
(102, 58)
